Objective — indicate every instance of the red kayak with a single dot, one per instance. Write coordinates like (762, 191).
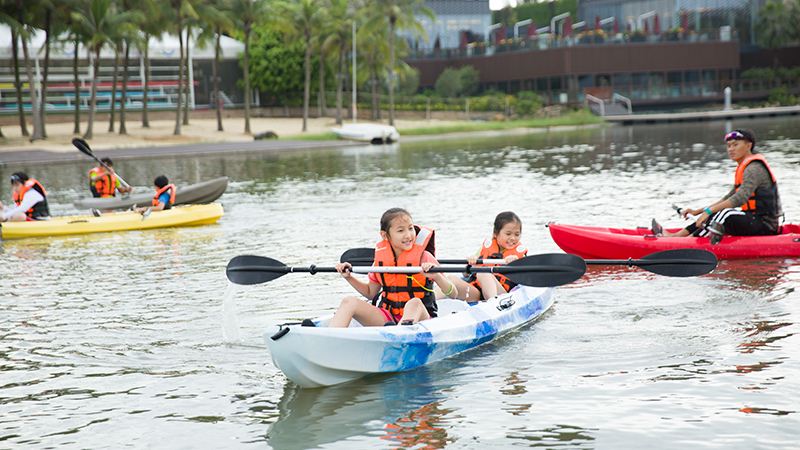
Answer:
(620, 243)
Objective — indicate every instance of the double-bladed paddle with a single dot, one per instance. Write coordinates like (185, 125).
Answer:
(83, 146)
(544, 270)
(671, 263)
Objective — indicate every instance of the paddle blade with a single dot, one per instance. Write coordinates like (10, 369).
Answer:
(679, 263)
(83, 146)
(251, 269)
(359, 256)
(545, 270)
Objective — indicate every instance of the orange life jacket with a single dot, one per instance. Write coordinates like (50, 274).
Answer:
(171, 188)
(105, 185)
(40, 209)
(399, 288)
(763, 201)
(491, 250)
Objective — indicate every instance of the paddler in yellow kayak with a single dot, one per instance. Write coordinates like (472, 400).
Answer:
(30, 199)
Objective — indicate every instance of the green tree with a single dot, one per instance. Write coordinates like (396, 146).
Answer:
(398, 15)
(8, 16)
(247, 13)
(778, 24)
(339, 20)
(302, 19)
(276, 63)
(216, 19)
(449, 83)
(99, 20)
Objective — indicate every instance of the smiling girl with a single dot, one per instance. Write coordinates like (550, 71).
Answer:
(397, 298)
(505, 244)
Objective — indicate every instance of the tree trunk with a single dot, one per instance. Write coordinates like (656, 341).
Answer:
(124, 100)
(307, 81)
(187, 87)
(392, 21)
(93, 97)
(146, 81)
(247, 92)
(37, 125)
(76, 129)
(375, 100)
(215, 75)
(43, 120)
(339, 83)
(321, 106)
(23, 125)
(114, 90)
(177, 131)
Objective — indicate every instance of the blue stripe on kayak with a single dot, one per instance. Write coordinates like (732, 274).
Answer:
(407, 351)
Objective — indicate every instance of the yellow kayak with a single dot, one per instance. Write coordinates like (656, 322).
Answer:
(179, 216)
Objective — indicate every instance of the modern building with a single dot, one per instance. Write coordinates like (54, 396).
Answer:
(454, 18)
(653, 52)
(741, 15)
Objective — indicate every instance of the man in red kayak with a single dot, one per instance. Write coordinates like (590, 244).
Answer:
(751, 208)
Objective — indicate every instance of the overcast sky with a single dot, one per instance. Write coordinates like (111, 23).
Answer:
(498, 4)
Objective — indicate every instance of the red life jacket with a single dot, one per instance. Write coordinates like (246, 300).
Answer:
(40, 209)
(491, 250)
(105, 185)
(399, 288)
(171, 188)
(763, 201)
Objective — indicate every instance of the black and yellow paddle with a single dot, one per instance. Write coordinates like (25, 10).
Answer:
(83, 146)
(671, 263)
(544, 270)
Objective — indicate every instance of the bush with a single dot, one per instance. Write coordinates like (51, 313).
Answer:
(528, 102)
(457, 82)
(449, 83)
(781, 96)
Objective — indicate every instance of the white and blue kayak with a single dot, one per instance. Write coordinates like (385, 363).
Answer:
(321, 356)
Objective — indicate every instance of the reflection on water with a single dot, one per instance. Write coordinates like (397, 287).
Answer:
(103, 336)
(403, 410)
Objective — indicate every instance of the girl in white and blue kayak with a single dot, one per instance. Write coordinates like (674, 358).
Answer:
(504, 244)
(396, 298)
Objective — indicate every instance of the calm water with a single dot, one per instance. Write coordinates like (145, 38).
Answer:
(122, 339)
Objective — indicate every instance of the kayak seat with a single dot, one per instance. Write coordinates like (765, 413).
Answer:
(451, 306)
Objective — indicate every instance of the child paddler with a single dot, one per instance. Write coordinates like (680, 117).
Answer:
(396, 298)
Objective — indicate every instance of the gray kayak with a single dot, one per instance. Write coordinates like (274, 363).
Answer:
(205, 192)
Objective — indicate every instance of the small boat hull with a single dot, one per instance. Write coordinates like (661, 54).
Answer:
(180, 216)
(368, 132)
(322, 356)
(198, 193)
(621, 243)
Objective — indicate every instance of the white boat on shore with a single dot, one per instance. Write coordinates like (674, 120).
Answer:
(368, 132)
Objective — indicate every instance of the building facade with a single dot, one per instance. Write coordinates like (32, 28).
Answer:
(452, 19)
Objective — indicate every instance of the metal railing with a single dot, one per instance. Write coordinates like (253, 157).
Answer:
(593, 99)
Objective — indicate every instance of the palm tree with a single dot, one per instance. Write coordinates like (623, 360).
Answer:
(373, 50)
(128, 35)
(247, 13)
(99, 20)
(400, 15)
(24, 18)
(302, 18)
(14, 25)
(337, 42)
(216, 18)
(777, 24)
(117, 43)
(157, 14)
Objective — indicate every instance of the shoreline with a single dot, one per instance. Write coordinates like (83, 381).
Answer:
(60, 150)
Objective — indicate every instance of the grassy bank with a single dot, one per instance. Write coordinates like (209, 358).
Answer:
(582, 117)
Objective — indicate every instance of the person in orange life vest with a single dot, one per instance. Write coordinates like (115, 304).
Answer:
(30, 199)
(504, 244)
(398, 298)
(164, 197)
(752, 207)
(104, 183)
